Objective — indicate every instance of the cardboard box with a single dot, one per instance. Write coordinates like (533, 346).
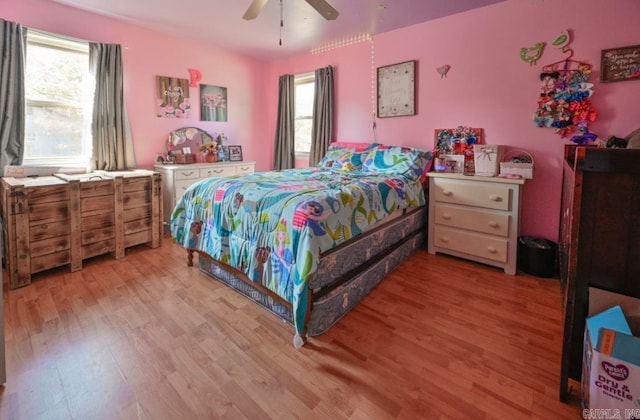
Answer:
(611, 360)
(487, 159)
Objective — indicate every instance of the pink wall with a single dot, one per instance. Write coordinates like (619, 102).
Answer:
(488, 85)
(150, 53)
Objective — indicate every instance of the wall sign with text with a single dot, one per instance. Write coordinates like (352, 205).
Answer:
(396, 90)
(618, 64)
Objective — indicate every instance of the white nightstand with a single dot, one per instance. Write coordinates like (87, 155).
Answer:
(475, 217)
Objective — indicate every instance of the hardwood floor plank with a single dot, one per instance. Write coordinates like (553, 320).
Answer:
(146, 337)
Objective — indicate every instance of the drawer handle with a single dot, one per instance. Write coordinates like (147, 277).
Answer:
(447, 193)
(187, 173)
(494, 197)
(446, 216)
(444, 239)
(492, 249)
(493, 224)
(215, 171)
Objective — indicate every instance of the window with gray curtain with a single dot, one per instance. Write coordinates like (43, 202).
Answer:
(322, 128)
(285, 155)
(112, 142)
(12, 58)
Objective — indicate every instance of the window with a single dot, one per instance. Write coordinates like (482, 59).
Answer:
(59, 98)
(305, 85)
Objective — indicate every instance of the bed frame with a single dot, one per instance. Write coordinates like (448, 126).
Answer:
(346, 274)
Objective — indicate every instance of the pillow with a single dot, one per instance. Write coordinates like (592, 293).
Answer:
(343, 158)
(410, 162)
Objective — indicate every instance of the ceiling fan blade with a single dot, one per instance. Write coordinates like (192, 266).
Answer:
(324, 8)
(254, 9)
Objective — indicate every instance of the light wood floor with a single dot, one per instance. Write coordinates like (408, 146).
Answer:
(146, 337)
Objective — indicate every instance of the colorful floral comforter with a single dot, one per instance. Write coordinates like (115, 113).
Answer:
(274, 225)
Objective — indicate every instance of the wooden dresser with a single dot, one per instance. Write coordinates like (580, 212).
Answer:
(475, 217)
(599, 239)
(177, 178)
(3, 365)
(57, 220)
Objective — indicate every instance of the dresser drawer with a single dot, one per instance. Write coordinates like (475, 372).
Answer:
(187, 174)
(181, 186)
(484, 221)
(244, 169)
(473, 244)
(220, 171)
(473, 194)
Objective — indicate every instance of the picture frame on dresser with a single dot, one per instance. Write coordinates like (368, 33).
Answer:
(235, 153)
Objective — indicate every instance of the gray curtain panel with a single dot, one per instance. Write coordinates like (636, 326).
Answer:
(285, 154)
(12, 102)
(322, 128)
(112, 141)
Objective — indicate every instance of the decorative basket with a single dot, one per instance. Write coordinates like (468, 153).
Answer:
(517, 162)
(183, 158)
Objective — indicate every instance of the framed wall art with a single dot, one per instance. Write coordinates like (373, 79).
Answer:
(235, 153)
(396, 90)
(213, 103)
(172, 97)
(618, 64)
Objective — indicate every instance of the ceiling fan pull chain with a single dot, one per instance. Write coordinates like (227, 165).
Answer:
(281, 22)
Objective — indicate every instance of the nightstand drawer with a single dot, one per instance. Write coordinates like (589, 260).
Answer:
(473, 194)
(187, 174)
(217, 172)
(484, 221)
(469, 243)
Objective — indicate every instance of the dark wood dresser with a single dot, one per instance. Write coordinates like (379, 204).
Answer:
(599, 238)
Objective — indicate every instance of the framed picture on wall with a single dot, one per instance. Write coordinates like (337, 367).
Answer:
(235, 153)
(213, 103)
(396, 90)
(618, 64)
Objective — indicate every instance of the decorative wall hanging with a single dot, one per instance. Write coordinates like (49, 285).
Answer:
(563, 40)
(396, 90)
(618, 64)
(213, 103)
(195, 77)
(172, 97)
(454, 148)
(443, 70)
(532, 55)
(564, 102)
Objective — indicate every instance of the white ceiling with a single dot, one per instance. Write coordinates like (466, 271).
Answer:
(220, 21)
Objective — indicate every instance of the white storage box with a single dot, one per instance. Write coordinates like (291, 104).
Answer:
(486, 158)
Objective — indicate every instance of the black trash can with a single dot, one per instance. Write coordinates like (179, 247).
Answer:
(537, 256)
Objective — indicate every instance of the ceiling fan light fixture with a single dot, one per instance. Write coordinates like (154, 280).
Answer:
(325, 9)
(254, 9)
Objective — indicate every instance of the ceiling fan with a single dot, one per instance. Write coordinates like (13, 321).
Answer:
(321, 6)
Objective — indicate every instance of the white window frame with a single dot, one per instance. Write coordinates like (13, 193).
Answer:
(53, 41)
(300, 79)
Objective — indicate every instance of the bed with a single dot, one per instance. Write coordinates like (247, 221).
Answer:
(308, 244)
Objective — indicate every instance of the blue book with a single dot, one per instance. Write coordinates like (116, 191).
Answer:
(612, 319)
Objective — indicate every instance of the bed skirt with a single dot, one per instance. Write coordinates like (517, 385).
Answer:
(345, 275)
